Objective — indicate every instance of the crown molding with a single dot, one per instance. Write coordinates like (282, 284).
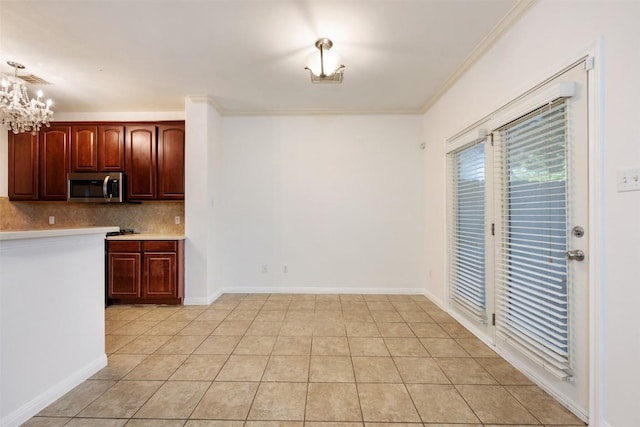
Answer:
(506, 23)
(205, 99)
(322, 112)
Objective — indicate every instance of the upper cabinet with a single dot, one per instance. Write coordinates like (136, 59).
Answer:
(111, 148)
(97, 148)
(171, 162)
(54, 162)
(151, 155)
(84, 149)
(38, 164)
(155, 162)
(141, 161)
(23, 166)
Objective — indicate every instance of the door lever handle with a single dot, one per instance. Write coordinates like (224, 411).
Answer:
(576, 255)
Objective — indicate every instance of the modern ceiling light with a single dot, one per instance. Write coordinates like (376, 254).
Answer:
(19, 112)
(324, 66)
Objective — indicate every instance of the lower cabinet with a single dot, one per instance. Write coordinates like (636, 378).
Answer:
(145, 271)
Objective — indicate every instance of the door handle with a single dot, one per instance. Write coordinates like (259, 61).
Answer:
(576, 255)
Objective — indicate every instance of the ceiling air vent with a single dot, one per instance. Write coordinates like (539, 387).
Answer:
(35, 80)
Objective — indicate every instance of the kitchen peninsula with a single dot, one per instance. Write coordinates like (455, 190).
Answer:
(51, 315)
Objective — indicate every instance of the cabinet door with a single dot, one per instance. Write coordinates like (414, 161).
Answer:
(140, 162)
(84, 149)
(111, 148)
(23, 166)
(159, 275)
(54, 162)
(124, 275)
(171, 162)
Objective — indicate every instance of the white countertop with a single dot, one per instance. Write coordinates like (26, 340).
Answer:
(55, 232)
(147, 237)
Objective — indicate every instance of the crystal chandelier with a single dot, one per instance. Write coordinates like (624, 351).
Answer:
(19, 112)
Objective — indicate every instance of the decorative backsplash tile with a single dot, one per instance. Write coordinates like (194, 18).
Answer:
(150, 217)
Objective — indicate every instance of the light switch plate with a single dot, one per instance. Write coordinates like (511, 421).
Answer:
(629, 180)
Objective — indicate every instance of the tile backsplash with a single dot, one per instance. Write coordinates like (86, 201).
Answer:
(146, 217)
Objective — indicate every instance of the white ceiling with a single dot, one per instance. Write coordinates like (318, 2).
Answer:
(247, 55)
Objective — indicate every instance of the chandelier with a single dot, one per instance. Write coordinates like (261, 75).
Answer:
(324, 66)
(19, 112)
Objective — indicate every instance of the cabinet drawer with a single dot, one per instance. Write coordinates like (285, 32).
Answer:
(159, 245)
(124, 246)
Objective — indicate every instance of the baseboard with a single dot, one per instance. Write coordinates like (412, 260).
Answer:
(199, 300)
(437, 301)
(203, 300)
(300, 290)
(540, 382)
(320, 290)
(49, 396)
(579, 412)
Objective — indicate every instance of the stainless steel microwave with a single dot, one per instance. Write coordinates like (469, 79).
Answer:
(89, 187)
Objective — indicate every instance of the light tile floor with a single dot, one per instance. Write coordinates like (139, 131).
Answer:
(278, 360)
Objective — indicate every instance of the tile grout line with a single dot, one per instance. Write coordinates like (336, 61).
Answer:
(355, 380)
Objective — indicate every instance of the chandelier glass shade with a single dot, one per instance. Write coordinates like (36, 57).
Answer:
(18, 111)
(324, 65)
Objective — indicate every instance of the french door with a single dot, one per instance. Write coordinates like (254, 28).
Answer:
(518, 267)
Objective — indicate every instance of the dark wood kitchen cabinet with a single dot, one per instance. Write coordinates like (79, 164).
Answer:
(123, 270)
(160, 269)
(84, 149)
(54, 162)
(23, 166)
(151, 154)
(155, 162)
(38, 164)
(171, 162)
(111, 148)
(97, 148)
(140, 160)
(145, 271)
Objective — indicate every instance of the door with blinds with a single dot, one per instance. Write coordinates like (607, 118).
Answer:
(542, 213)
(521, 273)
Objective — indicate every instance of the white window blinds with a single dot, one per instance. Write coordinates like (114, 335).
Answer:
(532, 307)
(467, 230)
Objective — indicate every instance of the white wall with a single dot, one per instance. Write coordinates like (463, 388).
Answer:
(202, 142)
(215, 161)
(51, 317)
(550, 36)
(338, 199)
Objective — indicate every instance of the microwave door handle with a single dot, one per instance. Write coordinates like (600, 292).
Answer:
(104, 189)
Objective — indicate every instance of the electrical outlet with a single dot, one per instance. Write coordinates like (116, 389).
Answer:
(177, 219)
(264, 268)
(285, 268)
(629, 180)
(52, 220)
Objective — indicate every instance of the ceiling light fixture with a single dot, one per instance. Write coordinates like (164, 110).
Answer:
(324, 66)
(19, 112)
